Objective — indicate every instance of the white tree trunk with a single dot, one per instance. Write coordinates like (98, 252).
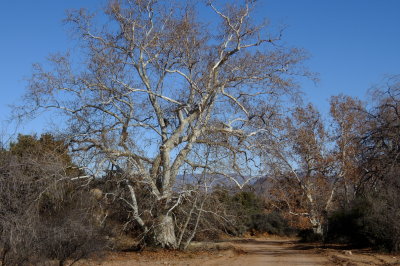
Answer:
(164, 232)
(317, 226)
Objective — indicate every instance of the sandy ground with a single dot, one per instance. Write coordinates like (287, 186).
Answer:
(255, 251)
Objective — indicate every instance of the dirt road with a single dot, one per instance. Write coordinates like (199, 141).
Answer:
(270, 252)
(242, 252)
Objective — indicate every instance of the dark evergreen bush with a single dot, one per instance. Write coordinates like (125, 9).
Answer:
(308, 235)
(372, 221)
(271, 223)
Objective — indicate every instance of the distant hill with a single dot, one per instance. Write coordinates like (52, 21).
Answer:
(213, 180)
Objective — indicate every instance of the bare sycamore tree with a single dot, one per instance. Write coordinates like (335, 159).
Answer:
(349, 126)
(314, 167)
(300, 166)
(155, 86)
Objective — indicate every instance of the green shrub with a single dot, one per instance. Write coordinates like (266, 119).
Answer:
(248, 210)
(271, 223)
(372, 221)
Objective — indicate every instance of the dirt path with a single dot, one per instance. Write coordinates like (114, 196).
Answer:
(270, 252)
(242, 252)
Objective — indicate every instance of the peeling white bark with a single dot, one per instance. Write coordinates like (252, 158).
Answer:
(164, 232)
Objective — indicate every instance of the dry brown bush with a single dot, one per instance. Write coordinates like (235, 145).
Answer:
(45, 214)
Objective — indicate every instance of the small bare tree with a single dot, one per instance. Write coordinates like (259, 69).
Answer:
(380, 141)
(152, 89)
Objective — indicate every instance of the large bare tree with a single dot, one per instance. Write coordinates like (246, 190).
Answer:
(154, 88)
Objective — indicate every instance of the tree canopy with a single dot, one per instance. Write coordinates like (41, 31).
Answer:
(157, 92)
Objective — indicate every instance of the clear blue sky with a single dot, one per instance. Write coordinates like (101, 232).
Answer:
(353, 43)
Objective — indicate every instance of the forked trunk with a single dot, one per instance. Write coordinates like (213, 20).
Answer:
(317, 226)
(164, 232)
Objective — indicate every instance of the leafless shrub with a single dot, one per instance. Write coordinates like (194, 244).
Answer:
(45, 214)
